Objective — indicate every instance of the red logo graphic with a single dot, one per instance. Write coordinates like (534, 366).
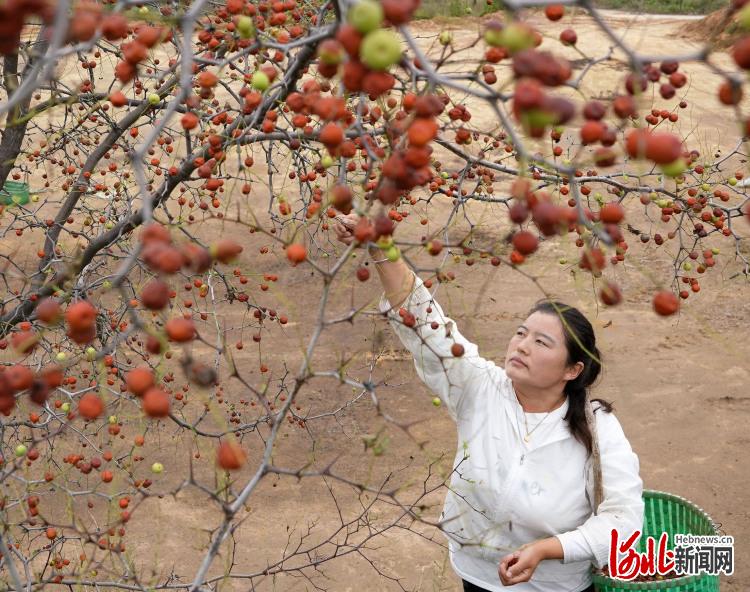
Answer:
(635, 564)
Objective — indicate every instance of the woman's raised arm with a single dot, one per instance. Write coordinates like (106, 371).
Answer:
(445, 360)
(395, 276)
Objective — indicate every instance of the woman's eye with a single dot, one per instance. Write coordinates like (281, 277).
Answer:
(542, 342)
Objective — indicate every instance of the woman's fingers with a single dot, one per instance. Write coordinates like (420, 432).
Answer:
(505, 563)
(343, 234)
(517, 567)
(347, 223)
(344, 226)
(504, 566)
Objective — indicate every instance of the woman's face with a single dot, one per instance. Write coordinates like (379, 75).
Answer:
(537, 353)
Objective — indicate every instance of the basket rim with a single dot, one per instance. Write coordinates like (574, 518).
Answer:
(685, 501)
(653, 585)
(662, 584)
(15, 185)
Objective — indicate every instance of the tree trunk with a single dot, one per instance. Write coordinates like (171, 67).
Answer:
(14, 133)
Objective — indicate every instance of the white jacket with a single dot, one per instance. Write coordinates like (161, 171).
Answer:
(504, 492)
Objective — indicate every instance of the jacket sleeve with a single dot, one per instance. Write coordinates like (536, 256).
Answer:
(429, 334)
(622, 507)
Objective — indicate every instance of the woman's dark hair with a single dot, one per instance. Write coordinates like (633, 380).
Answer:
(580, 342)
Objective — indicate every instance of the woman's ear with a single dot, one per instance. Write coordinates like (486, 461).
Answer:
(574, 370)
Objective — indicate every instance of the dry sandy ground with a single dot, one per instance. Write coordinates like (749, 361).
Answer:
(679, 385)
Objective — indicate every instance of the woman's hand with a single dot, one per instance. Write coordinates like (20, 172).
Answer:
(344, 227)
(519, 566)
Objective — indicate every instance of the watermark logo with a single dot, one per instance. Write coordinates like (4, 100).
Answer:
(691, 555)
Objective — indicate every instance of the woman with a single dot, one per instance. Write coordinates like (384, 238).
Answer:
(520, 510)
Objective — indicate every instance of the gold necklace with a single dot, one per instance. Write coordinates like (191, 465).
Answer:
(527, 437)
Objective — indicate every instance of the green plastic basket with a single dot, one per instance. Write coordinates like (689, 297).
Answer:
(14, 193)
(666, 512)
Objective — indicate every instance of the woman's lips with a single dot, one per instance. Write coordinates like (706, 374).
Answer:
(518, 362)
